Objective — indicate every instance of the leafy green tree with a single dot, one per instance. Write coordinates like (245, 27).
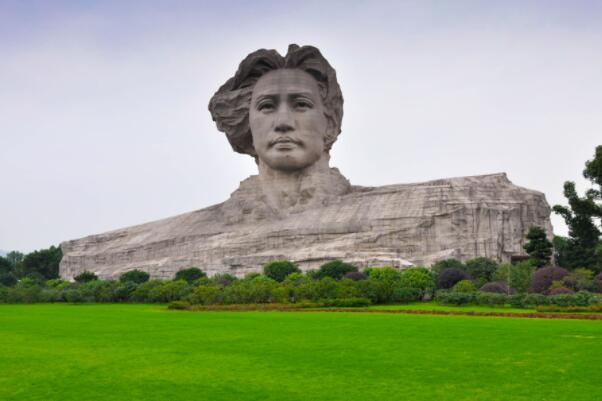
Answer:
(190, 274)
(44, 262)
(539, 247)
(581, 216)
(418, 278)
(451, 263)
(279, 269)
(517, 276)
(14, 258)
(85, 277)
(135, 276)
(464, 286)
(335, 269)
(7, 276)
(480, 269)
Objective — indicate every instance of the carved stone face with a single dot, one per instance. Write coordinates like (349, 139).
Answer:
(287, 120)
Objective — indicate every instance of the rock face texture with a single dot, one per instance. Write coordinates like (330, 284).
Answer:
(394, 225)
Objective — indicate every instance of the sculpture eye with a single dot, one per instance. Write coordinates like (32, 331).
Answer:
(303, 104)
(266, 106)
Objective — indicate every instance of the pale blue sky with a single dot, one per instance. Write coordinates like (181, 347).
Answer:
(103, 105)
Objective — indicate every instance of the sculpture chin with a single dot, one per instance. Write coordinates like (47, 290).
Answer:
(289, 157)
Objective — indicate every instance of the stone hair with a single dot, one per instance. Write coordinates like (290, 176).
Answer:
(229, 106)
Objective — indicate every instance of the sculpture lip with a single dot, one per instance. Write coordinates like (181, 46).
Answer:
(284, 139)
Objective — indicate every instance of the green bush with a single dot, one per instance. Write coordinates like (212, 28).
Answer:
(85, 276)
(464, 286)
(406, 294)
(517, 276)
(142, 291)
(384, 283)
(123, 292)
(346, 302)
(441, 265)
(535, 299)
(223, 279)
(418, 278)
(480, 269)
(135, 276)
(335, 269)
(491, 298)
(455, 298)
(189, 275)
(169, 291)
(178, 305)
(207, 295)
(279, 269)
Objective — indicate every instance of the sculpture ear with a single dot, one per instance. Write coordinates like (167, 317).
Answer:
(330, 136)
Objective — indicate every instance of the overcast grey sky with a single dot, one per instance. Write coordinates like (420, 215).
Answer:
(103, 105)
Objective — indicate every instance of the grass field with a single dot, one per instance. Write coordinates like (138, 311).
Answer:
(144, 352)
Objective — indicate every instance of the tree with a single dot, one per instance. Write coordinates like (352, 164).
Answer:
(539, 247)
(517, 276)
(44, 262)
(580, 217)
(14, 257)
(441, 265)
(85, 277)
(190, 274)
(279, 269)
(449, 277)
(135, 276)
(419, 278)
(480, 269)
(335, 269)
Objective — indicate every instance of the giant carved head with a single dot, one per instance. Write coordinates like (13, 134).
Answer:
(285, 111)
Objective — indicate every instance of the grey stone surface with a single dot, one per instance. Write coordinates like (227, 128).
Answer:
(286, 112)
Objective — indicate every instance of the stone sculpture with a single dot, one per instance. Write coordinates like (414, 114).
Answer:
(286, 112)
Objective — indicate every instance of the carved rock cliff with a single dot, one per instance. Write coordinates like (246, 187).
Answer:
(395, 225)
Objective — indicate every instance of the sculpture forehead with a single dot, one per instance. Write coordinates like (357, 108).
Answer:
(286, 81)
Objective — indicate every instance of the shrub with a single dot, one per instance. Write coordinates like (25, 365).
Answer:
(418, 278)
(73, 295)
(385, 281)
(135, 276)
(517, 276)
(335, 269)
(455, 298)
(279, 269)
(579, 279)
(223, 279)
(535, 299)
(190, 274)
(356, 276)
(543, 278)
(480, 269)
(560, 290)
(178, 305)
(207, 295)
(406, 294)
(347, 302)
(491, 298)
(124, 291)
(142, 291)
(464, 286)
(449, 277)
(7, 279)
(495, 287)
(85, 276)
(441, 265)
(169, 291)
(57, 283)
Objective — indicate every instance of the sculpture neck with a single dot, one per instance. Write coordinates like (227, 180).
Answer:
(312, 185)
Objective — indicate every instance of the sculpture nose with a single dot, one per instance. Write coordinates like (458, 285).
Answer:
(284, 120)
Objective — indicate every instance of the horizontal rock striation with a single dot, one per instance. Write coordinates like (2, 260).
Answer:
(395, 225)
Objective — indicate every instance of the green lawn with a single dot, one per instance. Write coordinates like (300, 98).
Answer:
(144, 352)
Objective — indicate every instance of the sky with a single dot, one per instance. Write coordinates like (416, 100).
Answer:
(103, 105)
